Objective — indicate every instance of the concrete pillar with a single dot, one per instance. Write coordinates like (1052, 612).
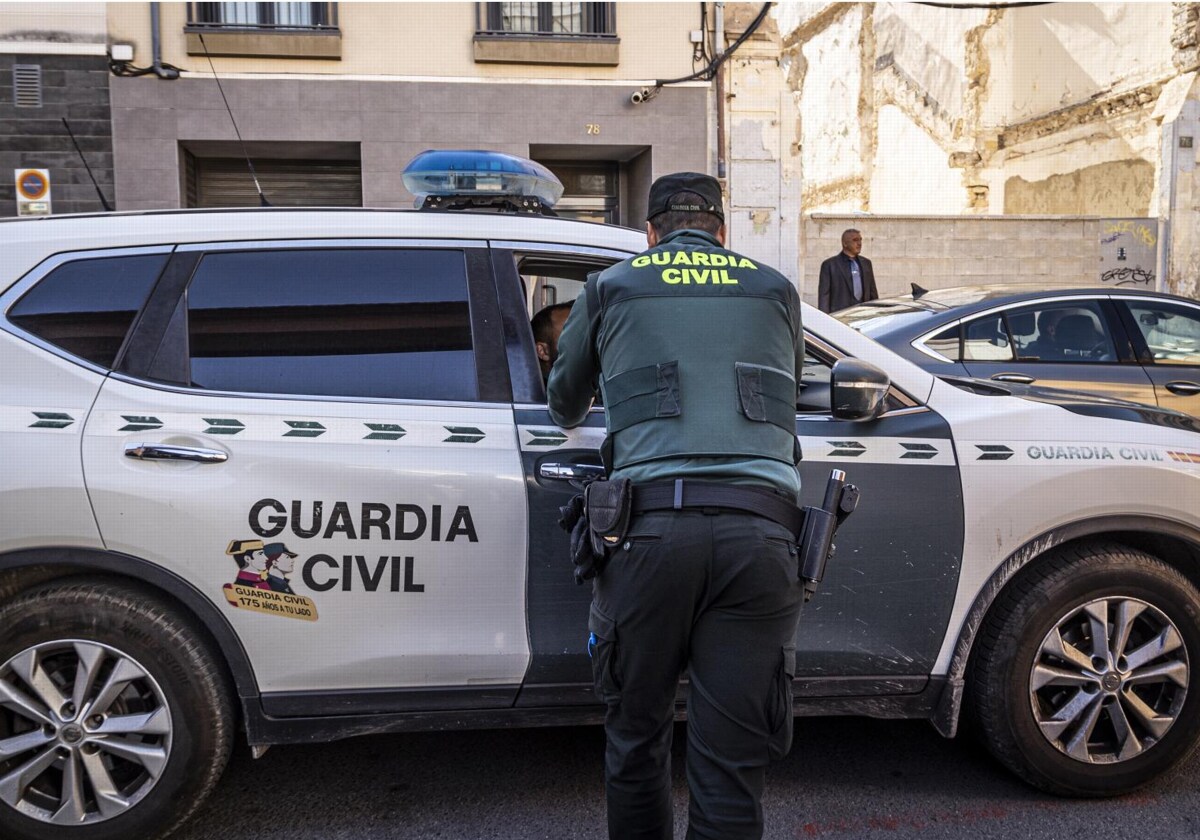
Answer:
(1179, 182)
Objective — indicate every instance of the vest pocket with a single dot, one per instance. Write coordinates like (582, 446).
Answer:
(779, 709)
(766, 395)
(602, 647)
(641, 394)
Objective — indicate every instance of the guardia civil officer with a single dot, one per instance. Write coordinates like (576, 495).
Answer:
(696, 350)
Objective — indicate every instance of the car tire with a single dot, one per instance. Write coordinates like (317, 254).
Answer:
(144, 725)
(1043, 704)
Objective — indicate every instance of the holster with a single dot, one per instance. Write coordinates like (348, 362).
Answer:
(608, 505)
(597, 521)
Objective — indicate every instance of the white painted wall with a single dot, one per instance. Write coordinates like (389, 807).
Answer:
(912, 175)
(928, 44)
(832, 134)
(1064, 53)
(71, 22)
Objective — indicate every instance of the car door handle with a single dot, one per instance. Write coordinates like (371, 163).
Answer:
(567, 472)
(165, 452)
(1019, 378)
(1184, 389)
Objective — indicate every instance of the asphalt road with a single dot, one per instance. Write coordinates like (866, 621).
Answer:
(845, 778)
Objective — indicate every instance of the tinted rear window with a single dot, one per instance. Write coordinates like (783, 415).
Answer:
(87, 306)
(391, 323)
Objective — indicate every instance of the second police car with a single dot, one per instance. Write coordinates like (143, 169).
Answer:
(291, 472)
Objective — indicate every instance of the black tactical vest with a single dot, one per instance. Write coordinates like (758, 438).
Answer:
(697, 348)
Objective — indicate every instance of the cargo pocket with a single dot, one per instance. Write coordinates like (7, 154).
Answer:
(779, 713)
(642, 394)
(767, 395)
(602, 648)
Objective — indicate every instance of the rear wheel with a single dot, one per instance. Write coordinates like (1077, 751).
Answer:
(115, 720)
(1083, 678)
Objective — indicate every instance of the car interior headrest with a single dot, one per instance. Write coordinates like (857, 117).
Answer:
(1077, 332)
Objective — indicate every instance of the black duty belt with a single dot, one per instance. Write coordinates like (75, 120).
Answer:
(682, 494)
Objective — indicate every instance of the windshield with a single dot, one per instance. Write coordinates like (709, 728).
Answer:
(872, 319)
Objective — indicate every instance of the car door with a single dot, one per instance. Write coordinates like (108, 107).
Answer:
(877, 622)
(1062, 342)
(555, 461)
(318, 437)
(1167, 338)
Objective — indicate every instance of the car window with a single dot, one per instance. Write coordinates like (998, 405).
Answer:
(1061, 331)
(392, 323)
(986, 340)
(1172, 332)
(946, 344)
(551, 284)
(87, 306)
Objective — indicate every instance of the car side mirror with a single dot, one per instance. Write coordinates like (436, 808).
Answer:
(858, 390)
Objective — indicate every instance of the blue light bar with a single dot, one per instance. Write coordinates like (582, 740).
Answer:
(480, 173)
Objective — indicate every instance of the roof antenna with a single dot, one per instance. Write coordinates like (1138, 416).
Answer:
(917, 291)
(103, 201)
(262, 199)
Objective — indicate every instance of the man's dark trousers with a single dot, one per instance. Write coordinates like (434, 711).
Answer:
(717, 593)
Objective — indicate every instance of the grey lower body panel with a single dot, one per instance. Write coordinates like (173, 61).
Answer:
(884, 697)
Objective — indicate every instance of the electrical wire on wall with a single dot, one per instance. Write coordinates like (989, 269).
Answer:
(709, 71)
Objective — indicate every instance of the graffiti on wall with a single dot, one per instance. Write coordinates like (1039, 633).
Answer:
(1128, 252)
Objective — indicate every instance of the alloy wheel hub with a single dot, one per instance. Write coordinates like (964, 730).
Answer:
(85, 732)
(1109, 680)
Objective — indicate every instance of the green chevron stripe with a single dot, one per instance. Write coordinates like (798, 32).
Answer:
(463, 434)
(546, 437)
(304, 428)
(384, 431)
(223, 426)
(136, 423)
(51, 420)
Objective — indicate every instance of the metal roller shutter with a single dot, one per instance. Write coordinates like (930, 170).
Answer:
(226, 182)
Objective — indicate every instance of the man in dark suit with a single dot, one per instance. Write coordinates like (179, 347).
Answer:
(846, 279)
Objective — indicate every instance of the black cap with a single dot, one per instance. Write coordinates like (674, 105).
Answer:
(704, 187)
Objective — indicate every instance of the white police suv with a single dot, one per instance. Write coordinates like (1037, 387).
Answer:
(291, 472)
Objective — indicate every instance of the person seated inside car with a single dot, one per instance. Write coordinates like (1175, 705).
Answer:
(1047, 347)
(547, 326)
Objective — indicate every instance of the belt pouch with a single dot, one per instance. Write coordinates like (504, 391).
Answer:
(609, 504)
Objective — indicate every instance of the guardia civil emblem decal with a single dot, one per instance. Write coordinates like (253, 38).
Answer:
(263, 581)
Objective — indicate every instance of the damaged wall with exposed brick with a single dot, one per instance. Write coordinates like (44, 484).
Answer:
(1051, 109)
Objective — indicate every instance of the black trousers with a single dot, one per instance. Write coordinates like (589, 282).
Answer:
(718, 594)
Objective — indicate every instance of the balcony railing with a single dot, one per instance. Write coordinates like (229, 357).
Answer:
(275, 17)
(550, 20)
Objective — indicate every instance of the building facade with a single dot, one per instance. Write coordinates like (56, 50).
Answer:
(333, 100)
(1043, 110)
(54, 66)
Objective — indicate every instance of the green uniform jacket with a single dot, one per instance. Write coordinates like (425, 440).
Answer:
(697, 351)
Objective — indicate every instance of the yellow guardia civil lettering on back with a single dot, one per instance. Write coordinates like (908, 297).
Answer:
(698, 276)
(703, 268)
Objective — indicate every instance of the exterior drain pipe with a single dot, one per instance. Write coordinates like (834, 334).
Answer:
(719, 39)
(156, 46)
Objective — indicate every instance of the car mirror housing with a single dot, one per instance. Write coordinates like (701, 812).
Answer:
(858, 390)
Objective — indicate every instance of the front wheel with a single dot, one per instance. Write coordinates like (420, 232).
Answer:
(115, 721)
(1082, 682)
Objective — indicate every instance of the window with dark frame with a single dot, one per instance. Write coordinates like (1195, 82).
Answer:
(587, 20)
(272, 16)
(87, 306)
(370, 322)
